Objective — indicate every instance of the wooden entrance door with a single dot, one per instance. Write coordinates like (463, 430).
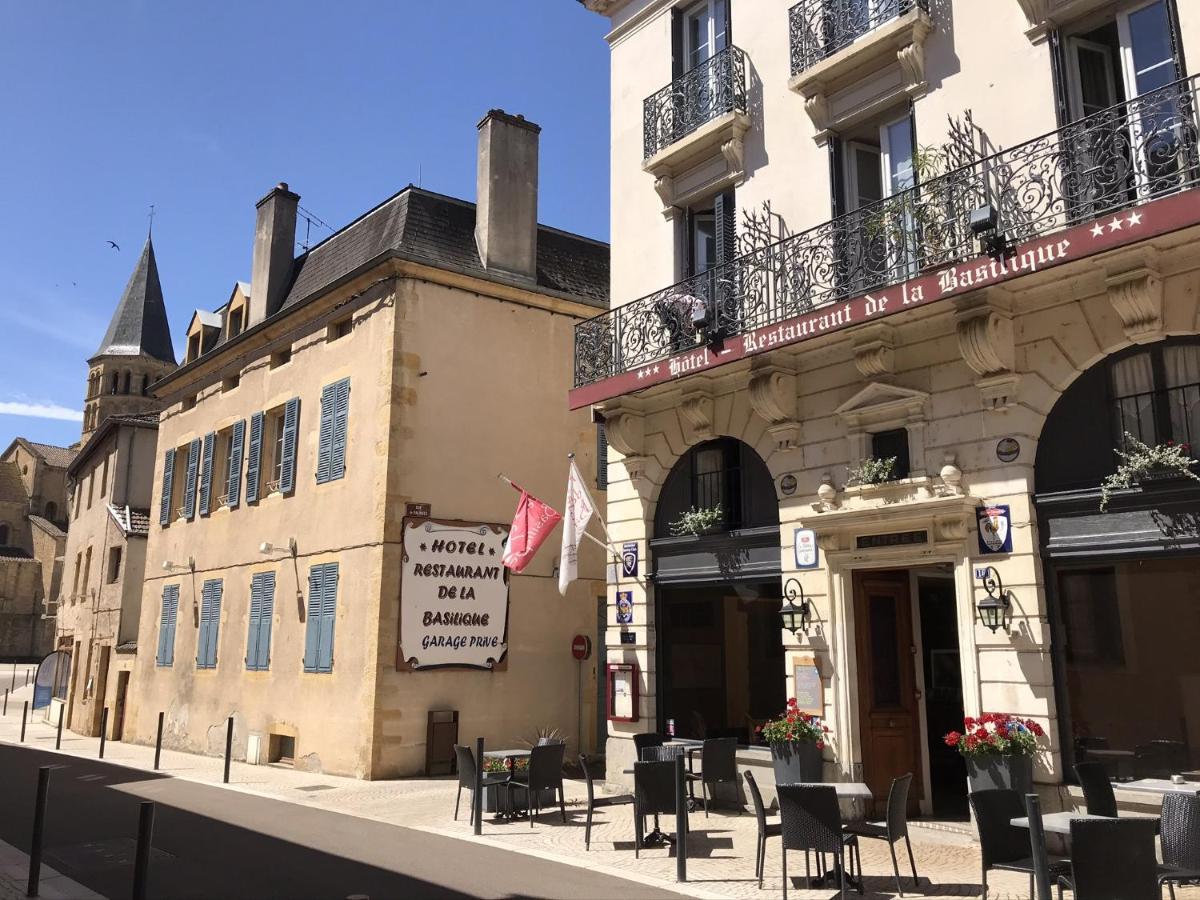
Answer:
(118, 726)
(887, 693)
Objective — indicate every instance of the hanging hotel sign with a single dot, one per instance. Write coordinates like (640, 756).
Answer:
(995, 529)
(453, 594)
(1157, 217)
(624, 607)
(629, 559)
(806, 548)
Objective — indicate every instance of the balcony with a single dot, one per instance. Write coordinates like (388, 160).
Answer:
(698, 117)
(1123, 157)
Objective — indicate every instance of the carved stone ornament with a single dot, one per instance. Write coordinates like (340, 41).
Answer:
(983, 324)
(817, 107)
(912, 66)
(875, 351)
(1137, 296)
(696, 416)
(734, 152)
(625, 430)
(664, 185)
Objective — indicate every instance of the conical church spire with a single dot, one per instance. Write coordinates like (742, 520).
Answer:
(139, 326)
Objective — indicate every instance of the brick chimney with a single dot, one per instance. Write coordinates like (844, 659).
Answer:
(507, 187)
(274, 252)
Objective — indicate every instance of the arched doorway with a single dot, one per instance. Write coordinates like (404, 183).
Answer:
(719, 649)
(1124, 583)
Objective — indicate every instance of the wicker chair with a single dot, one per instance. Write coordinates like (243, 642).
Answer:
(766, 829)
(465, 761)
(892, 830)
(545, 773)
(653, 793)
(593, 766)
(644, 741)
(718, 765)
(1180, 830)
(1112, 859)
(1097, 789)
(812, 821)
(1003, 845)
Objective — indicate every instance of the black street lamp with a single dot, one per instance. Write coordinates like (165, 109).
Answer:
(994, 608)
(796, 617)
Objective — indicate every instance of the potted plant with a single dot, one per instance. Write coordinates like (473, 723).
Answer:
(796, 740)
(697, 521)
(872, 471)
(998, 749)
(1141, 462)
(508, 765)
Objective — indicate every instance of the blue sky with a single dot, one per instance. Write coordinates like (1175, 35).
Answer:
(200, 108)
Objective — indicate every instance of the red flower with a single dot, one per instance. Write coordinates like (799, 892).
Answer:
(820, 745)
(968, 723)
(952, 739)
(792, 702)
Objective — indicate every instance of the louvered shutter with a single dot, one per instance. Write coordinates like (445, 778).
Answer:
(725, 213)
(189, 486)
(678, 65)
(252, 631)
(254, 457)
(291, 420)
(171, 624)
(341, 421)
(328, 610)
(601, 457)
(214, 621)
(312, 620)
(266, 609)
(206, 466)
(202, 637)
(233, 477)
(168, 483)
(161, 656)
(325, 434)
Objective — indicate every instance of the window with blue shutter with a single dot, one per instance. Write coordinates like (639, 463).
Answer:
(210, 620)
(335, 414)
(206, 467)
(254, 456)
(233, 477)
(166, 626)
(322, 606)
(287, 469)
(262, 607)
(189, 485)
(168, 484)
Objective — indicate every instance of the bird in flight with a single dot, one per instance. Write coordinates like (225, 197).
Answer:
(114, 245)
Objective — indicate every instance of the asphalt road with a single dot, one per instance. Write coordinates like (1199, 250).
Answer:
(211, 842)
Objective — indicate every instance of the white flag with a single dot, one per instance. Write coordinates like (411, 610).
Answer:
(579, 511)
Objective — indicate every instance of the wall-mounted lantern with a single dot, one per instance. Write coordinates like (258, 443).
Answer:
(796, 616)
(995, 607)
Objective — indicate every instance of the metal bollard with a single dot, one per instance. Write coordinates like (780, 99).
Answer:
(141, 860)
(24, 717)
(14, 678)
(477, 794)
(62, 714)
(39, 829)
(228, 746)
(158, 742)
(103, 729)
(681, 821)
(5, 702)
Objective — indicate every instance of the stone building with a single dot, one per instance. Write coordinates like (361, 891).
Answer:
(323, 563)
(881, 272)
(33, 507)
(111, 477)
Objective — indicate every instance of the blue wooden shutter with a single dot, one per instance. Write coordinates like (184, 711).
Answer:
(168, 483)
(266, 610)
(161, 656)
(325, 433)
(189, 487)
(287, 472)
(206, 466)
(254, 454)
(214, 620)
(171, 624)
(233, 493)
(341, 417)
(252, 630)
(166, 630)
(202, 637)
(312, 619)
(328, 610)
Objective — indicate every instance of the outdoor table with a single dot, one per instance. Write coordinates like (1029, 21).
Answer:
(500, 776)
(1116, 756)
(1060, 822)
(1157, 786)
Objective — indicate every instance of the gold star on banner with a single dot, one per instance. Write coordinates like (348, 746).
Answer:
(1115, 225)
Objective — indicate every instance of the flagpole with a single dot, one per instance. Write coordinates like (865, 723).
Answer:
(611, 543)
(591, 537)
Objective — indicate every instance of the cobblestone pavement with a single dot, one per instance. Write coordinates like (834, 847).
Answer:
(720, 851)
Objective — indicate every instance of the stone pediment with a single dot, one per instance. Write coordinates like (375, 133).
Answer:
(879, 403)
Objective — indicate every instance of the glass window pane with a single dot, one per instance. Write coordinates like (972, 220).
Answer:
(1153, 62)
(900, 161)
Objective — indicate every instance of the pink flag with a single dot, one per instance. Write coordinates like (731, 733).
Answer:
(533, 521)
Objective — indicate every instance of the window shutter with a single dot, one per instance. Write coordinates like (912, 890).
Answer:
(166, 633)
(1176, 35)
(312, 620)
(601, 457)
(325, 435)
(189, 487)
(837, 176)
(341, 417)
(1058, 74)
(254, 457)
(234, 475)
(266, 610)
(328, 609)
(214, 620)
(252, 631)
(202, 637)
(161, 655)
(206, 466)
(172, 624)
(287, 472)
(728, 24)
(677, 61)
(168, 483)
(725, 213)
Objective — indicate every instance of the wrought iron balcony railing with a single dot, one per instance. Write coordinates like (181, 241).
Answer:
(1120, 157)
(713, 88)
(820, 28)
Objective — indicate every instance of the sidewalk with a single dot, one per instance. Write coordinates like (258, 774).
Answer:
(14, 876)
(720, 852)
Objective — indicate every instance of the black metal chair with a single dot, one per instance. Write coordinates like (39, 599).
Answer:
(1097, 789)
(811, 821)
(1112, 859)
(1003, 845)
(1037, 848)
(545, 773)
(593, 766)
(718, 765)
(1180, 835)
(645, 740)
(894, 828)
(1159, 759)
(653, 794)
(766, 829)
(464, 760)
(1083, 745)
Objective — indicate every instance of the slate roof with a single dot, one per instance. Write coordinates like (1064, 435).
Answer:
(439, 231)
(134, 522)
(12, 488)
(139, 326)
(53, 456)
(47, 526)
(14, 553)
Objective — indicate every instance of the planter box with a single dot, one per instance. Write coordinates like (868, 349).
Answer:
(994, 771)
(493, 798)
(796, 763)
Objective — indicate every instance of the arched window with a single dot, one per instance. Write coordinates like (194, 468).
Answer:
(116, 377)
(128, 381)
(725, 473)
(3, 534)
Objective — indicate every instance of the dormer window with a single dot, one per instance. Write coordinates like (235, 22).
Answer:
(193, 350)
(235, 322)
